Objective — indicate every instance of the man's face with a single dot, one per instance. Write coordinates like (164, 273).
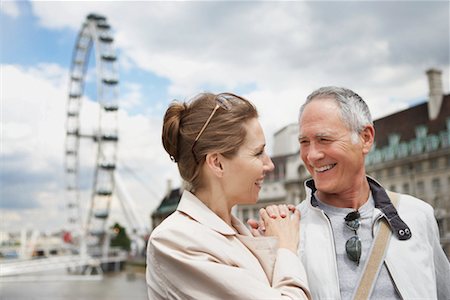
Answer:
(334, 160)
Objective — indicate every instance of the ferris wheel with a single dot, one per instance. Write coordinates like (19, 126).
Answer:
(94, 36)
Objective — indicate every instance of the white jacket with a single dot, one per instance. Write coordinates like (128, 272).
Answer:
(415, 260)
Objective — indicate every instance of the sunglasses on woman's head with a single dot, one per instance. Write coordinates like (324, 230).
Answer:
(222, 100)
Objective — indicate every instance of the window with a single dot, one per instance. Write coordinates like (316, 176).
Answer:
(391, 172)
(421, 131)
(392, 187)
(405, 188)
(281, 170)
(379, 174)
(436, 184)
(418, 166)
(420, 188)
(405, 169)
(433, 164)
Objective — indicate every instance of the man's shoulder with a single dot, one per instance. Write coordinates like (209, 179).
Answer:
(411, 202)
(304, 207)
(410, 207)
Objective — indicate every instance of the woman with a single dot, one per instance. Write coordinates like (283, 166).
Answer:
(202, 251)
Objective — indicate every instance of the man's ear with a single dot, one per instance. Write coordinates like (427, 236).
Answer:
(368, 137)
(214, 163)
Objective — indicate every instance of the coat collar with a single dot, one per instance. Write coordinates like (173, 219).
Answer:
(382, 202)
(263, 248)
(197, 210)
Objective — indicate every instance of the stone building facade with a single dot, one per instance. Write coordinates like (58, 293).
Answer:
(412, 153)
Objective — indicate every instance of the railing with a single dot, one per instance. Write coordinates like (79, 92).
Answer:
(89, 264)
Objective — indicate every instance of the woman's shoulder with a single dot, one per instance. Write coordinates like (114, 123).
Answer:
(180, 228)
(177, 223)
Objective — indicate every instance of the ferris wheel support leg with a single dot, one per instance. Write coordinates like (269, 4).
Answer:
(128, 206)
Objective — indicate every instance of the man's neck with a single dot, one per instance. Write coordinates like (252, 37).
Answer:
(355, 197)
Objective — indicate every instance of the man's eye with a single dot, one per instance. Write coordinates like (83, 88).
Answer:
(324, 140)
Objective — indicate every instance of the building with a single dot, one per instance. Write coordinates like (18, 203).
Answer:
(167, 206)
(411, 155)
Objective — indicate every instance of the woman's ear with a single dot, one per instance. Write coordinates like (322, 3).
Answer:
(214, 163)
(368, 137)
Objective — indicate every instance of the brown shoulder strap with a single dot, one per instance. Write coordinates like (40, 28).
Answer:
(375, 260)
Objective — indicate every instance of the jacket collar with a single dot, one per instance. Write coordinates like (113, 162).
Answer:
(197, 210)
(382, 202)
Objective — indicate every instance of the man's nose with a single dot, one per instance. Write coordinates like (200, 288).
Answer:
(314, 153)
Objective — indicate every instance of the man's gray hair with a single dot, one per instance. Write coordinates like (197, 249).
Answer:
(354, 111)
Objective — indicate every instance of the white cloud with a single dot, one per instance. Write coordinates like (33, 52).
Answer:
(274, 53)
(274, 46)
(33, 134)
(132, 95)
(10, 8)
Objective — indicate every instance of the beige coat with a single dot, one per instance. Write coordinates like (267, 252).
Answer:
(194, 254)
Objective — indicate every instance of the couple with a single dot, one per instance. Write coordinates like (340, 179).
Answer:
(202, 251)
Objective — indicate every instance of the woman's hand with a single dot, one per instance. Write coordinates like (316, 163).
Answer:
(278, 221)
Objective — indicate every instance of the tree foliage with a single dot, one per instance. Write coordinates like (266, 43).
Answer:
(120, 239)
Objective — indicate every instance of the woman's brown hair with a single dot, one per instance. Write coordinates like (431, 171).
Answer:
(224, 133)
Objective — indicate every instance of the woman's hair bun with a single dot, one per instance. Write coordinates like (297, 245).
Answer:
(171, 128)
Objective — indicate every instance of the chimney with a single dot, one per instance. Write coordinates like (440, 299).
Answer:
(436, 93)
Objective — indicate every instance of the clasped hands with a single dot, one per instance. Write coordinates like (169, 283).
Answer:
(280, 221)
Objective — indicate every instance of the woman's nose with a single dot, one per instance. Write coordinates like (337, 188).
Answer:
(268, 164)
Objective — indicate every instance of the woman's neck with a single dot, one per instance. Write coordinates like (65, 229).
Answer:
(217, 203)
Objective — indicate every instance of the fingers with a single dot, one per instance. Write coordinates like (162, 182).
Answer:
(283, 210)
(255, 232)
(262, 226)
(257, 228)
(276, 220)
(296, 216)
(272, 211)
(291, 207)
(275, 211)
(265, 214)
(253, 223)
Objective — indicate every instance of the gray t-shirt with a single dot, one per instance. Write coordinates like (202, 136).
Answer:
(349, 272)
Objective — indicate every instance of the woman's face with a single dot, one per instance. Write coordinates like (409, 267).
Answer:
(244, 173)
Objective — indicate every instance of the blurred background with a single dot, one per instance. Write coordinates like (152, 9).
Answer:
(85, 84)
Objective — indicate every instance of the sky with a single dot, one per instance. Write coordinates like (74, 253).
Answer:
(272, 53)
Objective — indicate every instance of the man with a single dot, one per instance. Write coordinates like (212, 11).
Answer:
(344, 207)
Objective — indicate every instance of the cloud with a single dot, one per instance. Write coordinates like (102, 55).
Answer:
(274, 53)
(276, 46)
(33, 135)
(10, 8)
